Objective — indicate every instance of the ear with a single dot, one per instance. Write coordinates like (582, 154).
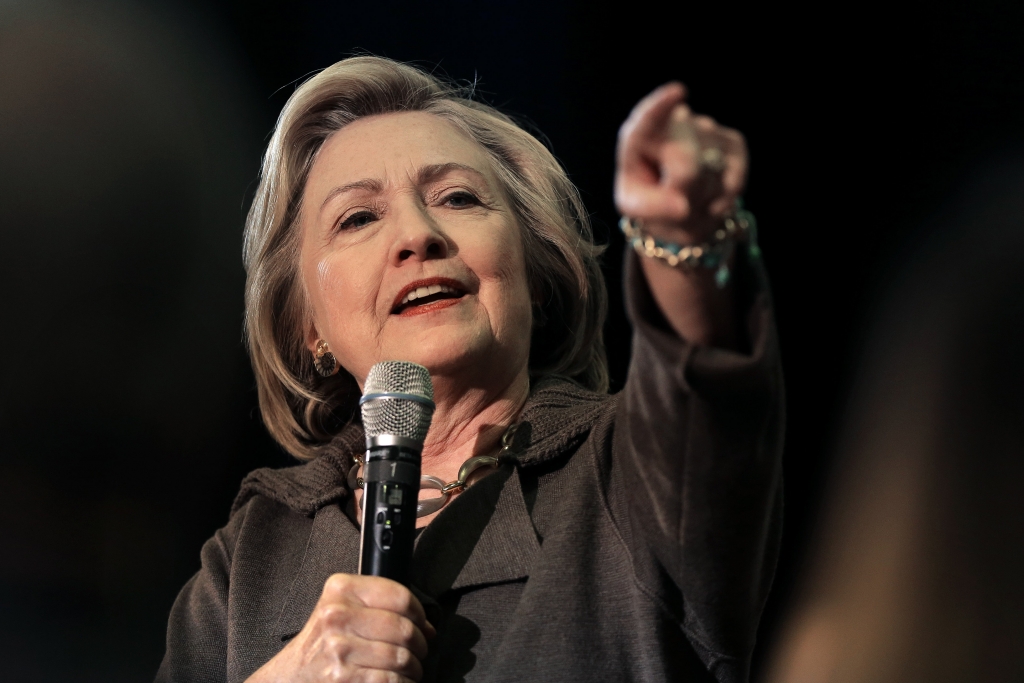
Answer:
(538, 299)
(537, 294)
(312, 336)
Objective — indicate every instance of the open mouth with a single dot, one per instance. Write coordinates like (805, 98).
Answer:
(428, 295)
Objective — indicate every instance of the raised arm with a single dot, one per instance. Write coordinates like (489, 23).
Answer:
(695, 475)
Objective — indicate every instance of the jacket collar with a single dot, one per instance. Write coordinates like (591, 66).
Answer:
(556, 418)
(308, 487)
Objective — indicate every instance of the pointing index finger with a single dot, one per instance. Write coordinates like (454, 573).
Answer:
(650, 116)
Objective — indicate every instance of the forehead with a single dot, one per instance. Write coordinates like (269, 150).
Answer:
(390, 147)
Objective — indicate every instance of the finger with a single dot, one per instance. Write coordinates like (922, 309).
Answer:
(733, 182)
(384, 626)
(648, 120)
(733, 175)
(735, 172)
(372, 624)
(679, 165)
(379, 676)
(710, 133)
(370, 654)
(378, 593)
(705, 124)
(737, 162)
(721, 183)
(680, 125)
(650, 114)
(646, 201)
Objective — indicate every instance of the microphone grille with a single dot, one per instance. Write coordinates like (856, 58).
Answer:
(404, 417)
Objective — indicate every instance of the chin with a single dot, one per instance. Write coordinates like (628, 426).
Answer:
(428, 350)
(447, 354)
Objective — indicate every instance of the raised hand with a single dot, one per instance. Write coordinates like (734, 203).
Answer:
(680, 174)
(677, 169)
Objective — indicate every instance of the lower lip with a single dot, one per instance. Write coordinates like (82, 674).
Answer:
(429, 308)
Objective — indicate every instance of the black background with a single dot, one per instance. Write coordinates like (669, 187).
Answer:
(130, 139)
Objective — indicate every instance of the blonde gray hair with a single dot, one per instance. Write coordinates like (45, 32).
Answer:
(303, 410)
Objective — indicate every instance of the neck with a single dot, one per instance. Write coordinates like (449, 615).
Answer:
(470, 421)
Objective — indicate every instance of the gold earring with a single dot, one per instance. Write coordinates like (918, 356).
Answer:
(323, 360)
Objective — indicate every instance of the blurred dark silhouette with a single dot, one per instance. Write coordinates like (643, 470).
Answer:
(126, 144)
(919, 574)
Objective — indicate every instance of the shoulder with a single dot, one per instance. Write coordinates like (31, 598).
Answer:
(560, 394)
(558, 416)
(307, 487)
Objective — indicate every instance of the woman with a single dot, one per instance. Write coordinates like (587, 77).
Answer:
(627, 536)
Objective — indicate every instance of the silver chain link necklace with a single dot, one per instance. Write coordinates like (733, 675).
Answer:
(429, 481)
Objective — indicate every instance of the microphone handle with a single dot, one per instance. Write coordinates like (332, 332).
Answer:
(391, 490)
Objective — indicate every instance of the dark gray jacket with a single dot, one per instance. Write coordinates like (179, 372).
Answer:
(632, 536)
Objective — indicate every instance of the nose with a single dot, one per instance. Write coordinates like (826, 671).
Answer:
(418, 238)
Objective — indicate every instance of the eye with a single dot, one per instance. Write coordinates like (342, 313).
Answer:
(360, 219)
(461, 199)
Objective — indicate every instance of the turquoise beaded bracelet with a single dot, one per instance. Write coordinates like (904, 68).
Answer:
(713, 255)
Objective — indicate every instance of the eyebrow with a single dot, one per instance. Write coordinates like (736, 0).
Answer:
(427, 174)
(424, 175)
(369, 184)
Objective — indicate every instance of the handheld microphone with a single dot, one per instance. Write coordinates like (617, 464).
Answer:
(397, 405)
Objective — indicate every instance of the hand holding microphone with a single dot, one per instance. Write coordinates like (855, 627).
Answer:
(362, 628)
(371, 623)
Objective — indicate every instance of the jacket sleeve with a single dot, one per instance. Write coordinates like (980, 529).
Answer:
(197, 630)
(696, 479)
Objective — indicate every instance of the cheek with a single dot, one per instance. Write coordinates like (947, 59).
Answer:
(510, 266)
(339, 292)
(521, 291)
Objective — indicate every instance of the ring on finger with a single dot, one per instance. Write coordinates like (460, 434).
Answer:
(712, 159)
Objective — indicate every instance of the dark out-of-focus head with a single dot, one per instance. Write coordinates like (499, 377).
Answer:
(128, 138)
(919, 572)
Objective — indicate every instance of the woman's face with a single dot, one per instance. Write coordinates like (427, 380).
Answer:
(410, 252)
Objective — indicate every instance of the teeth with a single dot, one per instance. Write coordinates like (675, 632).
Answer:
(421, 292)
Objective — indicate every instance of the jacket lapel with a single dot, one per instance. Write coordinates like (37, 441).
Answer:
(485, 536)
(333, 547)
